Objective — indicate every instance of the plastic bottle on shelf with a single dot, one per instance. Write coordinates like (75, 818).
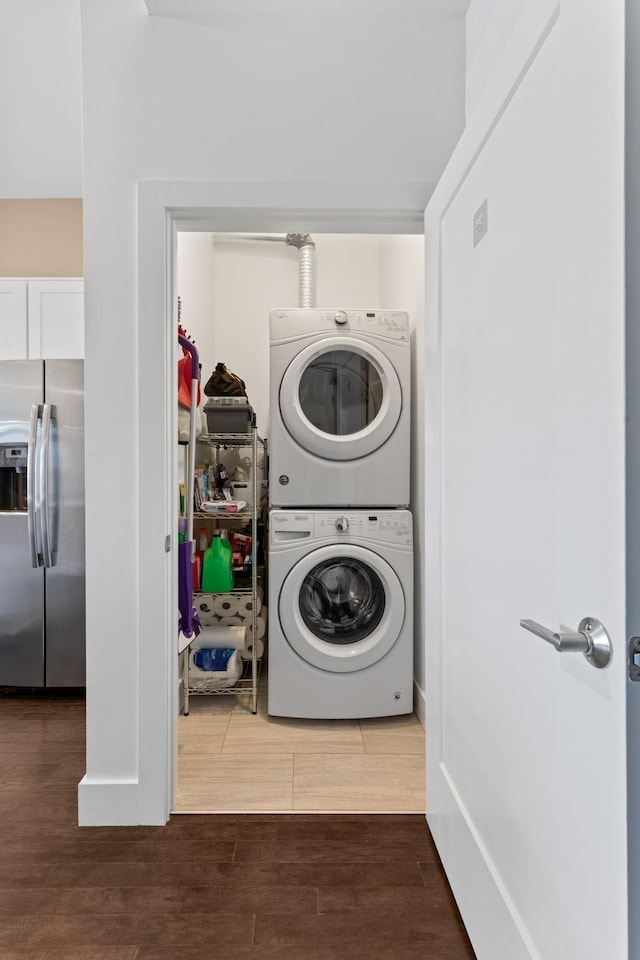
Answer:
(217, 566)
(203, 542)
(201, 545)
(197, 571)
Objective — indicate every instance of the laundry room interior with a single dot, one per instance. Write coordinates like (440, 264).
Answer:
(279, 725)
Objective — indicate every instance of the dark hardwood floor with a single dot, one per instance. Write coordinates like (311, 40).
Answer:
(263, 887)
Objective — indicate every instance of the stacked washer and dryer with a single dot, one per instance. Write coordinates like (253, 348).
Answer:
(340, 533)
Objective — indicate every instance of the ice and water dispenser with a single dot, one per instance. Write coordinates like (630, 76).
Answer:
(13, 476)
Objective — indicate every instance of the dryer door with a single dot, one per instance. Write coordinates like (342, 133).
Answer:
(340, 398)
(341, 608)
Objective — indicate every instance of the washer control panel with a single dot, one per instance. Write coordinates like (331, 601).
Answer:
(335, 526)
(387, 526)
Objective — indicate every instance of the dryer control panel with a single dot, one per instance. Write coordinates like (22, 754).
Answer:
(302, 321)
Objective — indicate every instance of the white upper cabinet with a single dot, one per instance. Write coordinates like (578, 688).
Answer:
(56, 319)
(41, 319)
(13, 320)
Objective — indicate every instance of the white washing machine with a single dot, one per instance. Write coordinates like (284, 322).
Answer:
(341, 605)
(340, 408)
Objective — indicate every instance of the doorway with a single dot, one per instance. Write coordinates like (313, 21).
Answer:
(164, 208)
(227, 759)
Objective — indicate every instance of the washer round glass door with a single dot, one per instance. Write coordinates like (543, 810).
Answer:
(340, 398)
(341, 608)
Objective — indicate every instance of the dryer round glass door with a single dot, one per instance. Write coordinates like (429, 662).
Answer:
(340, 398)
(341, 608)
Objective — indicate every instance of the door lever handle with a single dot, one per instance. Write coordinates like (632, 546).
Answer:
(591, 639)
(577, 642)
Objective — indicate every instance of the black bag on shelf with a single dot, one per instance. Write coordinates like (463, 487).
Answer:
(223, 383)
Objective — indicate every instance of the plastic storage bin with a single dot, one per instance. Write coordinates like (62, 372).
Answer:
(227, 415)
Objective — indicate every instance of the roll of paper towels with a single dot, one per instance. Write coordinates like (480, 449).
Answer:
(247, 652)
(245, 605)
(223, 637)
(232, 622)
(207, 615)
(225, 605)
(261, 625)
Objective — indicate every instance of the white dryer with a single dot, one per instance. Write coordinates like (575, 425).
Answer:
(341, 604)
(340, 408)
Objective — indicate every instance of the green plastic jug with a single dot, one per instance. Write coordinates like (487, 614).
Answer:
(217, 566)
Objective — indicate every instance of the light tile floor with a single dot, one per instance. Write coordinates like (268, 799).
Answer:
(232, 761)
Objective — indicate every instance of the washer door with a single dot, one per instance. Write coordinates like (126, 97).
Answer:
(341, 608)
(340, 398)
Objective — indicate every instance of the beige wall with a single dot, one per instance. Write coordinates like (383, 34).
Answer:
(41, 238)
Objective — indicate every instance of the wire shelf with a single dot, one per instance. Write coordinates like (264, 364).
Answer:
(244, 684)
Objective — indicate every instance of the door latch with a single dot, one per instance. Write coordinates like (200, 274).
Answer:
(634, 658)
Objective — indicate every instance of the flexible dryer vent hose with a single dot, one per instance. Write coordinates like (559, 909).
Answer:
(306, 268)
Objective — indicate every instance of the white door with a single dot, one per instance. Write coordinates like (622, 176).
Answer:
(526, 793)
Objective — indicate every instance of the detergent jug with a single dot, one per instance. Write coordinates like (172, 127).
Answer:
(217, 566)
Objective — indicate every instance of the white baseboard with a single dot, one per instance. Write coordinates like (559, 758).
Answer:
(493, 923)
(107, 803)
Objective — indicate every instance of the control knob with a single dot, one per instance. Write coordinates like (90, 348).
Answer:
(340, 317)
(342, 524)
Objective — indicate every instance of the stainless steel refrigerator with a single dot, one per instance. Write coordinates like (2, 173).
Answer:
(42, 589)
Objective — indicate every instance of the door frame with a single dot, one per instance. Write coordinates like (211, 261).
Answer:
(164, 208)
(632, 351)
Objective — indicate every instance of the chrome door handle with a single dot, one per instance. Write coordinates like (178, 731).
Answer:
(48, 413)
(31, 485)
(591, 639)
(561, 641)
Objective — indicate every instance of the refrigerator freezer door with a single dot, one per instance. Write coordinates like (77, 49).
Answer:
(65, 581)
(21, 586)
(21, 607)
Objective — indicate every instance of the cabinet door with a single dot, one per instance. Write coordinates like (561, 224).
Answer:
(56, 319)
(13, 320)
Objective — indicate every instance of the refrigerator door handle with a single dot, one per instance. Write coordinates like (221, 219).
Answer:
(48, 414)
(31, 484)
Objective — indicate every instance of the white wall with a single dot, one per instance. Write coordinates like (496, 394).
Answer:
(489, 25)
(166, 100)
(196, 288)
(40, 99)
(402, 287)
